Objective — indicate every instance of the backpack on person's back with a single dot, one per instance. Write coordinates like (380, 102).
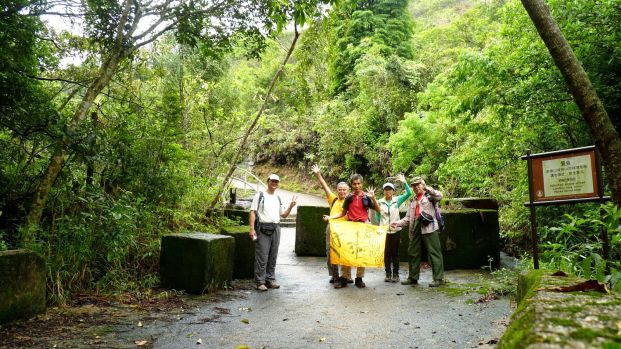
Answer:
(436, 207)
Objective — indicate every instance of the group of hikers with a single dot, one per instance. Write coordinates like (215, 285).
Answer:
(267, 209)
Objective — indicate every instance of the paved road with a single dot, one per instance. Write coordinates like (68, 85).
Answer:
(286, 196)
(306, 312)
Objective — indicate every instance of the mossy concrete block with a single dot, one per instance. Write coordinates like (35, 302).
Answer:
(196, 262)
(547, 317)
(22, 276)
(310, 232)
(241, 216)
(244, 251)
(471, 238)
(470, 203)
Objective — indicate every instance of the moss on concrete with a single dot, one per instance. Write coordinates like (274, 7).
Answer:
(310, 233)
(240, 216)
(22, 276)
(244, 251)
(561, 319)
(471, 239)
(196, 262)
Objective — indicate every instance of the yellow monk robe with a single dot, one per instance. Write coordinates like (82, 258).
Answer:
(357, 244)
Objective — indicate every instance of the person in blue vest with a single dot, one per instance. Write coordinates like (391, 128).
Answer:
(423, 229)
(265, 213)
(389, 213)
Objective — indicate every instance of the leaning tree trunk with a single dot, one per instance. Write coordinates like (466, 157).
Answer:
(58, 158)
(244, 141)
(602, 130)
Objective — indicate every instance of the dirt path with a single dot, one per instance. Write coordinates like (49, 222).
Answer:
(306, 312)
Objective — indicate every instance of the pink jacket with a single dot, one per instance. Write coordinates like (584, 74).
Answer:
(427, 207)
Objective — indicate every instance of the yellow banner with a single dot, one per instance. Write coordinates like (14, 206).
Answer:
(357, 244)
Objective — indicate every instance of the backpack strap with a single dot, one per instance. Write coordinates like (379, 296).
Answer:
(334, 201)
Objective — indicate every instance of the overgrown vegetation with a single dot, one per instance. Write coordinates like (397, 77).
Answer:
(450, 89)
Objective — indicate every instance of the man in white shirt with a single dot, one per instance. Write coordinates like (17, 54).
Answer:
(265, 213)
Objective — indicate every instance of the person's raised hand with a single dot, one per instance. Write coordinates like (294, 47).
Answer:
(315, 169)
(371, 192)
(401, 178)
(294, 201)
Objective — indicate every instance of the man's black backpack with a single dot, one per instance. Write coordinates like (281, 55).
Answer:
(436, 208)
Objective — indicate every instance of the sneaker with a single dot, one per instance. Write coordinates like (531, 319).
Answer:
(342, 282)
(338, 284)
(359, 283)
(409, 281)
(272, 284)
(262, 288)
(388, 278)
(395, 278)
(436, 283)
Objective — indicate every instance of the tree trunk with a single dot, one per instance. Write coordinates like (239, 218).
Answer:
(243, 143)
(602, 130)
(58, 158)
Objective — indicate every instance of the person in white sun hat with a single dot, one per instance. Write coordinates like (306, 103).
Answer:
(389, 213)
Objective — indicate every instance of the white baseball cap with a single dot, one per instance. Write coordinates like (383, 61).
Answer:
(388, 185)
(273, 177)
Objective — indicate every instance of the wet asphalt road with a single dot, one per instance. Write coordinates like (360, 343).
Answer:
(307, 312)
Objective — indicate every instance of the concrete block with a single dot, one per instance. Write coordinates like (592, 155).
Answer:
(310, 232)
(196, 262)
(22, 276)
(244, 251)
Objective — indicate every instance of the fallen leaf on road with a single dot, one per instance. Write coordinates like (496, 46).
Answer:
(140, 343)
(322, 339)
(246, 321)
(139, 323)
(199, 341)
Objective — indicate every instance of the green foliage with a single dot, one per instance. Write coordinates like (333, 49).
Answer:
(575, 246)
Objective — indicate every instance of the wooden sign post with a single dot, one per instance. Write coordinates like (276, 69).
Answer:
(566, 176)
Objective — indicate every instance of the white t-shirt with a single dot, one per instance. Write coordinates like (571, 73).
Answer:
(270, 209)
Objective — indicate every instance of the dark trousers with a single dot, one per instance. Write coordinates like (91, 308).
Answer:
(265, 253)
(391, 253)
(333, 269)
(434, 252)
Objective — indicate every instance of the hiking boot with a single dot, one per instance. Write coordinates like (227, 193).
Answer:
(272, 284)
(340, 283)
(350, 281)
(436, 283)
(388, 278)
(410, 282)
(262, 287)
(359, 283)
(395, 277)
